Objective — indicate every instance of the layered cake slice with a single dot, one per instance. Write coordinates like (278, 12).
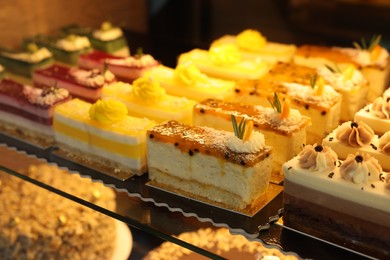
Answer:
(84, 84)
(371, 58)
(308, 94)
(349, 200)
(108, 38)
(376, 114)
(285, 128)
(186, 80)
(64, 49)
(103, 135)
(351, 137)
(252, 44)
(146, 98)
(24, 62)
(210, 165)
(27, 112)
(125, 68)
(225, 62)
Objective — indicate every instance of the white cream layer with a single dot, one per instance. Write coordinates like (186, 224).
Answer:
(26, 123)
(380, 126)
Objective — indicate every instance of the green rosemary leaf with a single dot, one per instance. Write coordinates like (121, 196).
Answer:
(374, 41)
(235, 128)
(239, 130)
(105, 66)
(364, 44)
(276, 105)
(313, 80)
(357, 45)
(140, 52)
(330, 69)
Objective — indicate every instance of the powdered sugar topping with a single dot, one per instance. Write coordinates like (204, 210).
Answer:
(92, 78)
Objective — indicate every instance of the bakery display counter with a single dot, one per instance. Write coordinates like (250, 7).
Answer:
(165, 215)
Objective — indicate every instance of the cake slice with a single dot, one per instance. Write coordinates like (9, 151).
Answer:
(146, 98)
(308, 94)
(351, 137)
(108, 38)
(208, 164)
(348, 199)
(225, 62)
(372, 59)
(186, 80)
(125, 68)
(104, 135)
(27, 112)
(84, 84)
(253, 44)
(285, 129)
(64, 49)
(24, 62)
(376, 114)
(2, 72)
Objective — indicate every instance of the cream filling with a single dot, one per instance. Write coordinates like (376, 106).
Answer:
(246, 182)
(378, 197)
(26, 123)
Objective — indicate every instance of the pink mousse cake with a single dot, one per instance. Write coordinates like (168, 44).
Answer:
(124, 68)
(27, 112)
(84, 84)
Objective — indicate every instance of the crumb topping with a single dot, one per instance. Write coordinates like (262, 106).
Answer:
(205, 140)
(45, 97)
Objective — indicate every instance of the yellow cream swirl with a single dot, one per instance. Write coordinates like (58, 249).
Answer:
(226, 54)
(148, 89)
(251, 40)
(188, 73)
(108, 111)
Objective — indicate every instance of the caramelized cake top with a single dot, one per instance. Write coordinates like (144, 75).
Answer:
(330, 53)
(263, 118)
(205, 140)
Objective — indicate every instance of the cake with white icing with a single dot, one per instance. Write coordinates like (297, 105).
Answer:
(349, 200)
(372, 59)
(210, 165)
(309, 94)
(351, 137)
(281, 128)
(376, 114)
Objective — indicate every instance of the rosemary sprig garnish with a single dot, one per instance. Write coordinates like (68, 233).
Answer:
(276, 105)
(105, 66)
(333, 70)
(375, 40)
(239, 130)
(50, 90)
(140, 52)
(313, 80)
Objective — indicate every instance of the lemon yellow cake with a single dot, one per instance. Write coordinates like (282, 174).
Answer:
(225, 62)
(146, 98)
(186, 80)
(252, 44)
(104, 133)
(210, 165)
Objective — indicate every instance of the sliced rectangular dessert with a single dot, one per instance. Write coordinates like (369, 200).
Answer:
(287, 130)
(104, 135)
(252, 44)
(312, 98)
(24, 62)
(348, 199)
(146, 98)
(373, 61)
(124, 68)
(225, 62)
(376, 114)
(27, 112)
(108, 38)
(351, 137)
(209, 164)
(186, 80)
(84, 84)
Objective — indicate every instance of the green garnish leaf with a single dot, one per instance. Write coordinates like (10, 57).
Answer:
(276, 105)
(140, 52)
(333, 70)
(330, 68)
(375, 39)
(105, 66)
(313, 80)
(239, 130)
(49, 90)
